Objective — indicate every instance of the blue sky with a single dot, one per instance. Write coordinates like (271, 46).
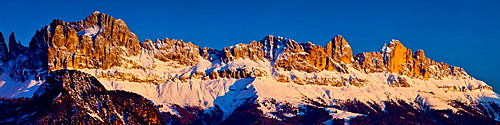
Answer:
(459, 32)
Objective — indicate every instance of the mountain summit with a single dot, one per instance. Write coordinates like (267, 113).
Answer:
(272, 81)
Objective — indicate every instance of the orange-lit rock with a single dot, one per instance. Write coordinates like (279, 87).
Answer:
(371, 62)
(339, 50)
(397, 55)
(102, 42)
(99, 41)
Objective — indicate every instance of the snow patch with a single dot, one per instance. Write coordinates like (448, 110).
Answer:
(341, 114)
(93, 31)
(12, 89)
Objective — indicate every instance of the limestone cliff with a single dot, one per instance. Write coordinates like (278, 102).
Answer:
(98, 41)
(101, 42)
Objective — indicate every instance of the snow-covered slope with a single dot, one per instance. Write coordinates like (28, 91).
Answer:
(284, 79)
(228, 93)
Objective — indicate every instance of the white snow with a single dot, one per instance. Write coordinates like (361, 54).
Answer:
(386, 49)
(90, 31)
(229, 93)
(238, 94)
(341, 114)
(12, 89)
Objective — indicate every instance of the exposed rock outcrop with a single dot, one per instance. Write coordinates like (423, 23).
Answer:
(15, 48)
(185, 54)
(396, 58)
(397, 81)
(102, 42)
(370, 62)
(99, 41)
(252, 51)
(339, 50)
(4, 51)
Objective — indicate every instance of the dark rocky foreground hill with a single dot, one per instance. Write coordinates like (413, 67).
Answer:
(73, 97)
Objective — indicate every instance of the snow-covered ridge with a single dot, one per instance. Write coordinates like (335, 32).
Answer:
(206, 93)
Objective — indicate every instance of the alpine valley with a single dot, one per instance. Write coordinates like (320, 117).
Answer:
(96, 71)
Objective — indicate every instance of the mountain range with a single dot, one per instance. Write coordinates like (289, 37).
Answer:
(96, 71)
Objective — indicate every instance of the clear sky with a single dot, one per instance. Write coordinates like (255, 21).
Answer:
(464, 33)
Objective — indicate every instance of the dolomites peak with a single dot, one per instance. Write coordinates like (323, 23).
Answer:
(340, 50)
(102, 42)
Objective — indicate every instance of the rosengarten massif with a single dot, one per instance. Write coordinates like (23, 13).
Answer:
(96, 71)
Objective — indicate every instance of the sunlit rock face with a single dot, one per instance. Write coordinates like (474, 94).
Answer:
(99, 41)
(102, 42)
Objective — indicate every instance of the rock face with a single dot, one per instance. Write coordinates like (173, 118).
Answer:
(395, 55)
(286, 54)
(73, 97)
(4, 51)
(166, 50)
(15, 48)
(339, 50)
(102, 42)
(396, 58)
(370, 62)
(96, 42)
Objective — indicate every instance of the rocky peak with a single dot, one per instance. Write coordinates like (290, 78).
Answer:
(101, 42)
(399, 59)
(1, 37)
(3, 52)
(12, 42)
(96, 19)
(253, 51)
(273, 46)
(419, 54)
(287, 54)
(396, 58)
(148, 45)
(15, 47)
(392, 44)
(370, 62)
(3, 48)
(339, 50)
(98, 41)
(395, 55)
(184, 53)
(269, 48)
